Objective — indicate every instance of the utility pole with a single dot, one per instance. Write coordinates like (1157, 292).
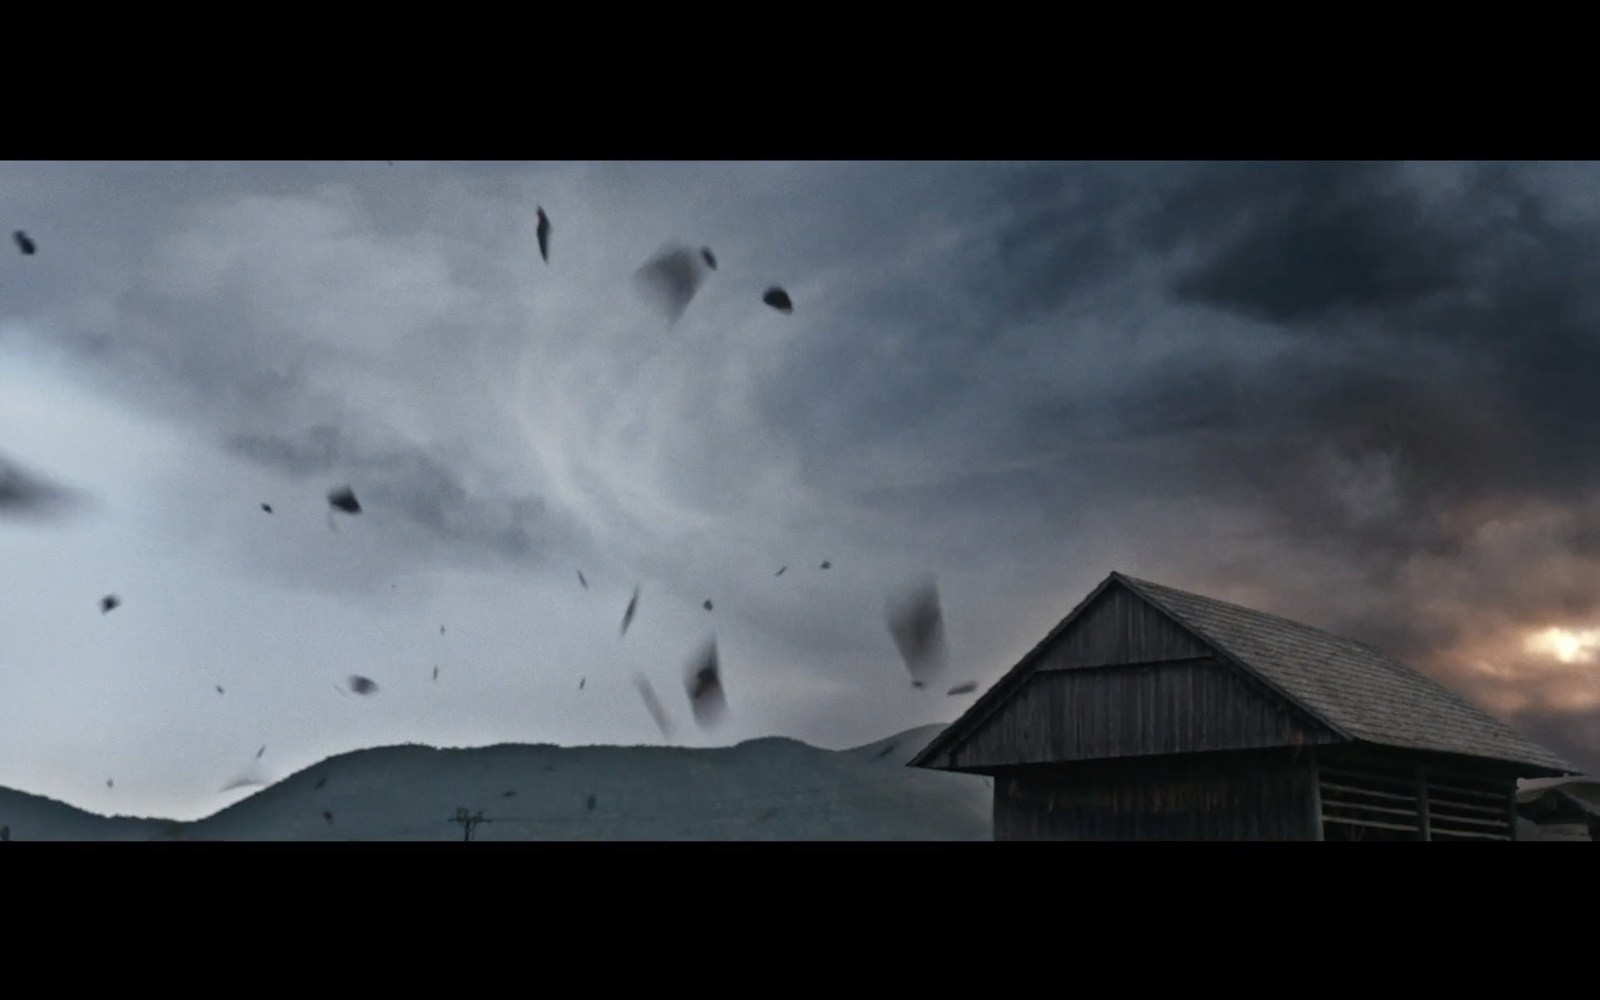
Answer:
(468, 821)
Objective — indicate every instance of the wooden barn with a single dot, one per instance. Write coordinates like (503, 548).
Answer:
(1154, 714)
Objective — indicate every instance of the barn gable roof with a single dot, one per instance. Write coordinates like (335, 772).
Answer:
(1357, 691)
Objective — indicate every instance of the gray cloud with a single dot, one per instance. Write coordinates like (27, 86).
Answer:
(25, 494)
(1359, 394)
(420, 486)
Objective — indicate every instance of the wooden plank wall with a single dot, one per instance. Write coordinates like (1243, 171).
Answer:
(1188, 706)
(1262, 796)
(1121, 627)
(1371, 794)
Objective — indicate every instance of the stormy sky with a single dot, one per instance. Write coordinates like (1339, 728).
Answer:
(1360, 395)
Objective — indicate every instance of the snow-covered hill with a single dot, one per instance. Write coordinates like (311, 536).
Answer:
(767, 789)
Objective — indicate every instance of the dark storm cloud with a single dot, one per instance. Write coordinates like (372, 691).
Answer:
(1377, 365)
(1457, 332)
(899, 360)
(1294, 244)
(1367, 254)
(1446, 326)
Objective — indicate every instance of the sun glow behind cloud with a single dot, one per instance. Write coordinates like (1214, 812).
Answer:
(1566, 645)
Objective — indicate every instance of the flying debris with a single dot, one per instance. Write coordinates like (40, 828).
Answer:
(826, 564)
(109, 603)
(916, 622)
(260, 752)
(219, 689)
(24, 243)
(344, 499)
(703, 680)
(918, 685)
(707, 256)
(508, 794)
(582, 580)
(590, 802)
(778, 299)
(627, 616)
(441, 630)
(707, 605)
(544, 234)
(327, 815)
(886, 751)
(436, 675)
(267, 507)
(967, 688)
(780, 572)
(581, 682)
(362, 685)
(109, 783)
(320, 782)
(245, 782)
(653, 703)
(671, 279)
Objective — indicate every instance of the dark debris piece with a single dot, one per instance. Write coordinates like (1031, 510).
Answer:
(25, 243)
(627, 616)
(582, 580)
(260, 752)
(826, 564)
(707, 605)
(436, 675)
(781, 571)
(320, 782)
(778, 299)
(109, 603)
(344, 498)
(362, 685)
(581, 682)
(590, 803)
(327, 814)
(703, 680)
(916, 622)
(508, 794)
(109, 783)
(967, 688)
(886, 751)
(543, 233)
(219, 689)
(651, 702)
(710, 258)
(267, 507)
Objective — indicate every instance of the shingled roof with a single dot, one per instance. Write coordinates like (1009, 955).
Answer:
(1357, 691)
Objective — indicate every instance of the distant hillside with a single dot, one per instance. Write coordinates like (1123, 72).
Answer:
(34, 817)
(767, 789)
